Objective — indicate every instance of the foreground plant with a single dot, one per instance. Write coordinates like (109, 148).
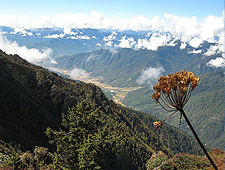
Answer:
(172, 92)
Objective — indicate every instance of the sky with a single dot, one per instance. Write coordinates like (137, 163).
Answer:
(191, 21)
(106, 14)
(115, 8)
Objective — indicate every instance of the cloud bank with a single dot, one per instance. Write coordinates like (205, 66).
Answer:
(31, 55)
(186, 29)
(149, 75)
(76, 73)
(180, 26)
(154, 41)
(218, 62)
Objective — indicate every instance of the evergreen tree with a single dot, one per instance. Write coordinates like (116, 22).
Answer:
(84, 142)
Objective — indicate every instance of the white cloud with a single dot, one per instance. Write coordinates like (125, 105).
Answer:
(76, 73)
(211, 26)
(109, 43)
(55, 36)
(82, 20)
(218, 62)
(211, 51)
(149, 75)
(99, 21)
(221, 43)
(113, 50)
(154, 42)
(139, 23)
(218, 49)
(195, 52)
(186, 29)
(32, 55)
(110, 37)
(195, 42)
(126, 42)
(183, 45)
(91, 57)
(68, 20)
(181, 26)
(84, 37)
(68, 31)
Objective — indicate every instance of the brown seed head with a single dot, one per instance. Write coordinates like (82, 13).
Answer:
(158, 124)
(177, 81)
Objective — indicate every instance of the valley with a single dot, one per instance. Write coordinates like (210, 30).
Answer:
(118, 93)
(36, 103)
(127, 75)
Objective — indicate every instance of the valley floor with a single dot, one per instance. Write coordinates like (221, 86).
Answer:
(118, 93)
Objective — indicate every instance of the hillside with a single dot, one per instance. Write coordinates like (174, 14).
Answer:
(205, 108)
(127, 68)
(186, 161)
(124, 67)
(32, 99)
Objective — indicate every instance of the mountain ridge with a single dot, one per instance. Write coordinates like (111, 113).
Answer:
(34, 98)
(125, 67)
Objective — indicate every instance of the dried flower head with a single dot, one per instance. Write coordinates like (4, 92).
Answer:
(158, 124)
(173, 91)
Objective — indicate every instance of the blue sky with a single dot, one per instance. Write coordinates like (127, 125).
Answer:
(191, 21)
(115, 8)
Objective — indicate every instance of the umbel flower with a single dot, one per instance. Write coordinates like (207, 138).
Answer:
(158, 124)
(172, 92)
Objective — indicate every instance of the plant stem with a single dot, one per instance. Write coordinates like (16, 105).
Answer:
(196, 136)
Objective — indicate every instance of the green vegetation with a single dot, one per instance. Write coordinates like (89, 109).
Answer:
(205, 108)
(33, 99)
(12, 157)
(185, 161)
(156, 160)
(123, 67)
(86, 143)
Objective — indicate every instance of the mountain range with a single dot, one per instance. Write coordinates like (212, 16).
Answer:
(140, 69)
(75, 41)
(124, 64)
(33, 99)
(62, 41)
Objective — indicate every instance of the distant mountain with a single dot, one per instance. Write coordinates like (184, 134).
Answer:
(68, 43)
(124, 67)
(80, 40)
(126, 64)
(127, 67)
(32, 99)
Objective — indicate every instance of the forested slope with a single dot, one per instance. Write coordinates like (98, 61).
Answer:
(32, 99)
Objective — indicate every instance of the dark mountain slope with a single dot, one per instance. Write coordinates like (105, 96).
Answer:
(124, 67)
(32, 99)
(205, 108)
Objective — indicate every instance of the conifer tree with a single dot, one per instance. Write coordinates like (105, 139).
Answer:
(83, 143)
